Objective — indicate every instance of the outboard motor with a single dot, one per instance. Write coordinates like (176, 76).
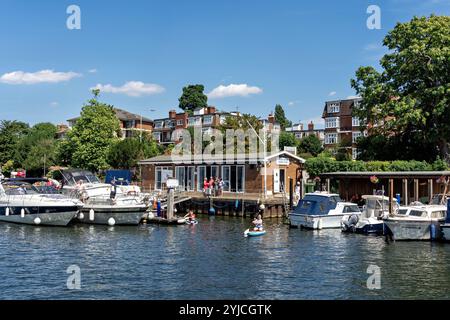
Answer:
(350, 224)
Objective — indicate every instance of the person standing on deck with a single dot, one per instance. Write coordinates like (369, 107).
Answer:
(113, 193)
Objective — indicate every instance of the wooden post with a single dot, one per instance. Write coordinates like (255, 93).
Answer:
(328, 185)
(170, 203)
(405, 192)
(416, 189)
(430, 190)
(391, 195)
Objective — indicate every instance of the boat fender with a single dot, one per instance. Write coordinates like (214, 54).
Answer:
(91, 215)
(7, 212)
(319, 224)
(111, 221)
(37, 221)
(22, 213)
(81, 216)
(433, 231)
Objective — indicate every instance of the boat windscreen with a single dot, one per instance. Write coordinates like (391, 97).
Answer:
(72, 177)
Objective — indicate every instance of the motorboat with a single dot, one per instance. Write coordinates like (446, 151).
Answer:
(320, 210)
(104, 204)
(370, 222)
(417, 222)
(23, 203)
(445, 228)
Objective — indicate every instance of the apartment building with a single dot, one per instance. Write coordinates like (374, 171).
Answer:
(300, 132)
(342, 128)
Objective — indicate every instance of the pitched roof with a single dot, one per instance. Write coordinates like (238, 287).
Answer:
(123, 115)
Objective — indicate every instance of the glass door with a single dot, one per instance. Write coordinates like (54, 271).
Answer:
(226, 175)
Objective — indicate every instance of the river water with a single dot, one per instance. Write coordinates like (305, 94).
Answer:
(212, 260)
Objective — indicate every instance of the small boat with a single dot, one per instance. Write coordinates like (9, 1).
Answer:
(254, 233)
(321, 210)
(417, 222)
(370, 222)
(445, 228)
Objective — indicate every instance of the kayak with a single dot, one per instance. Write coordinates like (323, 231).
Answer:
(249, 233)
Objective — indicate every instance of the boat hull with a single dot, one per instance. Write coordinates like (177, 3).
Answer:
(111, 215)
(315, 222)
(445, 232)
(411, 230)
(60, 219)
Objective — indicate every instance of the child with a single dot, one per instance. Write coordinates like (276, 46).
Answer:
(258, 223)
(191, 216)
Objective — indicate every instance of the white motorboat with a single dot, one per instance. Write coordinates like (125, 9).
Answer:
(417, 222)
(22, 203)
(370, 222)
(320, 210)
(104, 203)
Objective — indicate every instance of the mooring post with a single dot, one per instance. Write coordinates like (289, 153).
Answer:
(170, 203)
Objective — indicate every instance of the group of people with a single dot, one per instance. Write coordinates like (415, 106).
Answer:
(213, 186)
(357, 198)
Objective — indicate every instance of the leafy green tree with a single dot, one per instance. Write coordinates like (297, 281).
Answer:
(280, 117)
(193, 98)
(410, 97)
(40, 157)
(125, 154)
(11, 132)
(245, 122)
(310, 144)
(92, 136)
(287, 139)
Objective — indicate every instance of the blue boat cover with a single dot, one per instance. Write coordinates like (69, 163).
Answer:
(316, 205)
(122, 177)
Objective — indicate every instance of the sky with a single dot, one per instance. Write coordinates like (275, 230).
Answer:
(250, 55)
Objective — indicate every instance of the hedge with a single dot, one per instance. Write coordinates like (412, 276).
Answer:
(317, 166)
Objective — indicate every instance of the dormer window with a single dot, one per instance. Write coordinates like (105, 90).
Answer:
(333, 107)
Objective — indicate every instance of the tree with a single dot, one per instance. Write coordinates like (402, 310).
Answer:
(410, 96)
(246, 122)
(11, 132)
(287, 139)
(193, 98)
(125, 154)
(280, 117)
(40, 157)
(310, 144)
(92, 136)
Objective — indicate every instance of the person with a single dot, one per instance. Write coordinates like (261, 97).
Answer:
(113, 193)
(216, 186)
(220, 186)
(258, 223)
(22, 189)
(191, 216)
(205, 186)
(211, 185)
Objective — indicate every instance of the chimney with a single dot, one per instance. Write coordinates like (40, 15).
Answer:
(211, 110)
(311, 126)
(271, 118)
(172, 114)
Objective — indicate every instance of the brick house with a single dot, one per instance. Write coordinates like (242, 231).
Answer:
(300, 133)
(342, 128)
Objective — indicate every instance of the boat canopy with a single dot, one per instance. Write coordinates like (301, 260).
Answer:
(317, 204)
(71, 177)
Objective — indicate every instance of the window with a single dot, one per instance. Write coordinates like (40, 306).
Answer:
(355, 136)
(207, 119)
(331, 138)
(356, 122)
(418, 213)
(157, 136)
(350, 209)
(190, 179)
(331, 123)
(201, 175)
(169, 124)
(194, 121)
(402, 211)
(158, 124)
(240, 179)
(180, 175)
(333, 108)
(438, 215)
(180, 122)
(214, 171)
(161, 176)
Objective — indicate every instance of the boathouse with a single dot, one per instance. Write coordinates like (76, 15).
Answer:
(411, 185)
(250, 179)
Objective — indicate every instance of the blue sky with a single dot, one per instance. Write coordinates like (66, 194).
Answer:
(249, 54)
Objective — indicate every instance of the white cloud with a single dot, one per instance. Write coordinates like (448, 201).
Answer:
(293, 103)
(43, 76)
(92, 70)
(242, 90)
(54, 104)
(131, 88)
(332, 93)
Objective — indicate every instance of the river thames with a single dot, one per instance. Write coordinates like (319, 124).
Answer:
(212, 260)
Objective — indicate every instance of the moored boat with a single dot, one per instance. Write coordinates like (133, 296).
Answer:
(419, 222)
(22, 203)
(321, 210)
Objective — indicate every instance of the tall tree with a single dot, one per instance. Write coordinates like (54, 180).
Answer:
(410, 96)
(92, 136)
(11, 132)
(193, 98)
(310, 144)
(287, 139)
(280, 117)
(125, 154)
